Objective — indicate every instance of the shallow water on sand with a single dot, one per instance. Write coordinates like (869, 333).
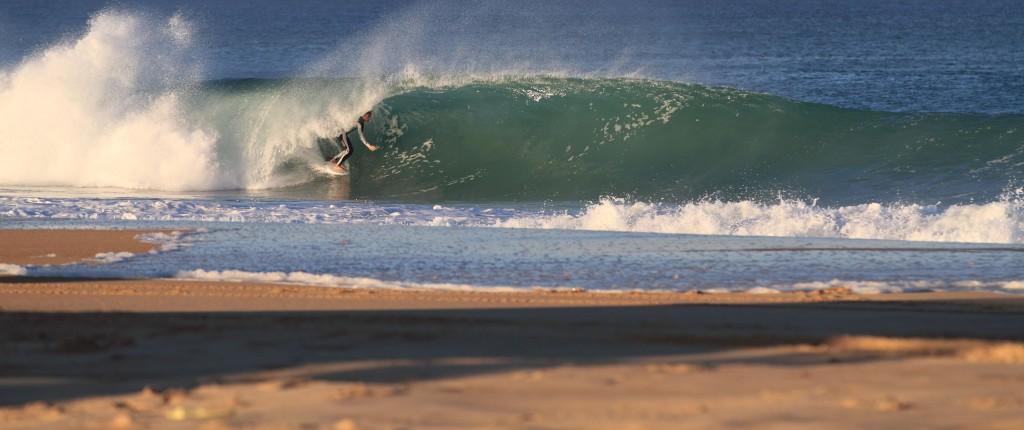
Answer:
(409, 256)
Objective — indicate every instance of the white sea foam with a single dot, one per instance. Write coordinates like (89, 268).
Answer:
(12, 270)
(886, 287)
(996, 222)
(762, 290)
(325, 280)
(164, 241)
(100, 110)
(112, 257)
(1013, 285)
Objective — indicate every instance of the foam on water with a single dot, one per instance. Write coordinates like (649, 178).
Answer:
(884, 287)
(12, 270)
(164, 242)
(327, 280)
(996, 222)
(112, 257)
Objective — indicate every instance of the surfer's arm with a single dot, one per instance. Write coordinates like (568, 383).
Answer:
(362, 137)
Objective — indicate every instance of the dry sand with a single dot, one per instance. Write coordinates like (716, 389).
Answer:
(176, 354)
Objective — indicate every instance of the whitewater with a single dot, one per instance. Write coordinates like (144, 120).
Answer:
(122, 106)
(998, 222)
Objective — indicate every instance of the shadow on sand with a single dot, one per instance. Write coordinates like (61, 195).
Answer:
(61, 356)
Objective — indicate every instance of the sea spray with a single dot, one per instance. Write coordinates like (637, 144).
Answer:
(105, 110)
(124, 105)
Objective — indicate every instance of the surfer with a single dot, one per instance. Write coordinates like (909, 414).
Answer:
(346, 146)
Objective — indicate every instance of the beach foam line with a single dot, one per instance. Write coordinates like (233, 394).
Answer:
(326, 280)
(855, 287)
(12, 270)
(164, 241)
(892, 287)
(112, 257)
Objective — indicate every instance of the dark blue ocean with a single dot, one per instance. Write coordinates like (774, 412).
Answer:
(917, 56)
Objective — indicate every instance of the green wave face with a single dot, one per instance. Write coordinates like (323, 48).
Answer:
(569, 139)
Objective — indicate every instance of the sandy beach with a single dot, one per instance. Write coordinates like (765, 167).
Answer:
(81, 353)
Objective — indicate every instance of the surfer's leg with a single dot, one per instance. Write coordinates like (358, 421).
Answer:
(346, 150)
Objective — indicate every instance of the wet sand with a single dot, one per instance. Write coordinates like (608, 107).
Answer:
(38, 247)
(178, 354)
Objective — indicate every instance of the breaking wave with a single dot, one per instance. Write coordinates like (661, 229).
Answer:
(124, 106)
(996, 222)
(1000, 222)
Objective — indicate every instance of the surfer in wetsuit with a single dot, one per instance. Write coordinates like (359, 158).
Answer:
(346, 146)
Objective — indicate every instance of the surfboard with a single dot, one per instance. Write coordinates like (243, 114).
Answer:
(333, 169)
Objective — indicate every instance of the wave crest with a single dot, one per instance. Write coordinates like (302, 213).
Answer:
(103, 111)
(996, 222)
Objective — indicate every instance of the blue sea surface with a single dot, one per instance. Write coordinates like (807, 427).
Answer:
(916, 56)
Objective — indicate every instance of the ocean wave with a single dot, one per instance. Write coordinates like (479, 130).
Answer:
(124, 106)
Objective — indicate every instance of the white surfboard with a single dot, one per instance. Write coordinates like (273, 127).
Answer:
(333, 169)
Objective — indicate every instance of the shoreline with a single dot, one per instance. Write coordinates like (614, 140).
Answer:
(30, 247)
(178, 353)
(19, 293)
